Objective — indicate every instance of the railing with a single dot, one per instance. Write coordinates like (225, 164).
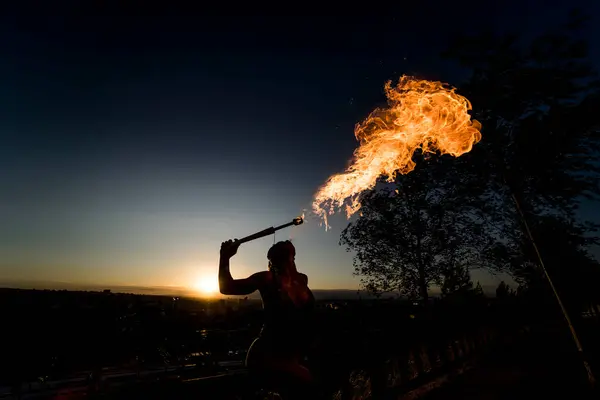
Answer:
(416, 369)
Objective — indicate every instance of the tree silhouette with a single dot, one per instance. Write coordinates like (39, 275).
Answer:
(540, 147)
(412, 231)
(503, 290)
(541, 138)
(564, 249)
(457, 280)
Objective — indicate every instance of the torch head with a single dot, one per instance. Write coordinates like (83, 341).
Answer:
(298, 220)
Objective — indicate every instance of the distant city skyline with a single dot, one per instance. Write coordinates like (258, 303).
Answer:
(182, 291)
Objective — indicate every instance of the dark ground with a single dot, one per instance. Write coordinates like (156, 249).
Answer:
(544, 366)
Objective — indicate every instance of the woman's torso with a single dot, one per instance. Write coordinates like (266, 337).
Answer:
(288, 306)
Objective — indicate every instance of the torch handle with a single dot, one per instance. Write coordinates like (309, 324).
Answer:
(257, 235)
(268, 231)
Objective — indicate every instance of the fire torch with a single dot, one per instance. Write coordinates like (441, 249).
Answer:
(269, 231)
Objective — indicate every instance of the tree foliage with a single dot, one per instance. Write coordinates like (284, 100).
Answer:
(413, 230)
(503, 290)
(457, 280)
(541, 137)
(540, 150)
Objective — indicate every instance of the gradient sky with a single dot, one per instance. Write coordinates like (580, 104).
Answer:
(132, 147)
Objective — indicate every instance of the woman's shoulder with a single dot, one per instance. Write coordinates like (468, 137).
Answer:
(262, 278)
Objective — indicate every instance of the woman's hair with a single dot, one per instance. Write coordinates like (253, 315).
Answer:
(279, 253)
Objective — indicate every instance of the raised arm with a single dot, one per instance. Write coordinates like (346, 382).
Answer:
(228, 285)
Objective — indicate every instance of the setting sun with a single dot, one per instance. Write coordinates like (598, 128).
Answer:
(207, 285)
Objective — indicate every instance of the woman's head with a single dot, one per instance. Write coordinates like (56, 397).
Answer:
(281, 257)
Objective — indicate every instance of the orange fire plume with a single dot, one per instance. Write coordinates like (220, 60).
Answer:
(421, 114)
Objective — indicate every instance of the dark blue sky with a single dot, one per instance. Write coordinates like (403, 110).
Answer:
(131, 147)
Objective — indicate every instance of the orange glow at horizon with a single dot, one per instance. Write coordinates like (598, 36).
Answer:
(421, 114)
(207, 285)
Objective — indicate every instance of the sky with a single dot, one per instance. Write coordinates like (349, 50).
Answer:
(133, 146)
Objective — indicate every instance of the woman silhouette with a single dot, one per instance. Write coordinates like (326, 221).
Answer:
(288, 309)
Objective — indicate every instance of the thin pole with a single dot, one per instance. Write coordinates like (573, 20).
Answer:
(590, 375)
(270, 231)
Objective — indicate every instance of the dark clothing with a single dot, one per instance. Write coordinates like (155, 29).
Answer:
(275, 358)
(287, 325)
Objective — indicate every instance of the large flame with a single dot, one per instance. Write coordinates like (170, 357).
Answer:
(422, 115)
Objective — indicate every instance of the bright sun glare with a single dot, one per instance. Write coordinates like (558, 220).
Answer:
(207, 285)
